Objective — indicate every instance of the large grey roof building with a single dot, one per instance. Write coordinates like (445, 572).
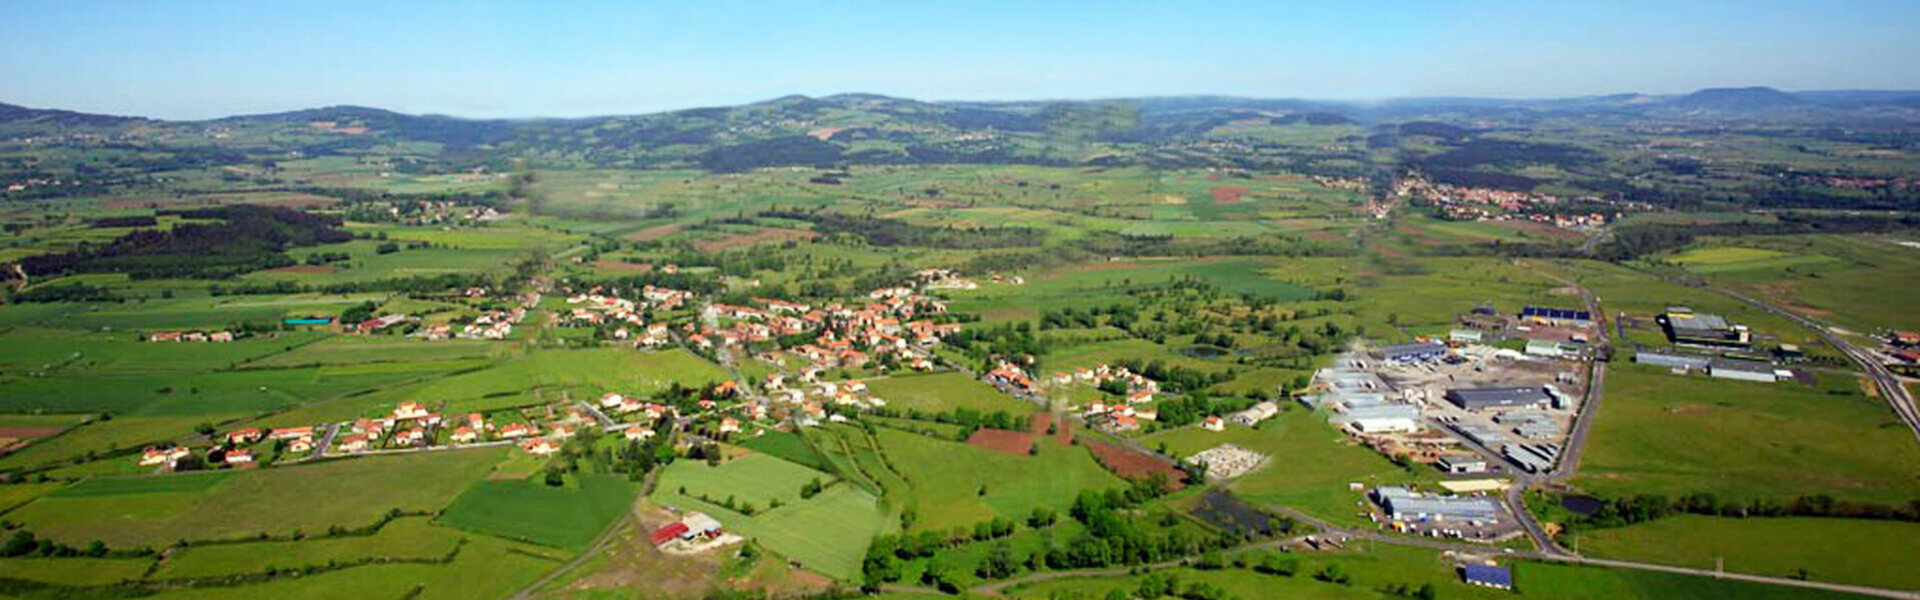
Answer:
(1411, 352)
(1403, 504)
(1682, 361)
(1498, 397)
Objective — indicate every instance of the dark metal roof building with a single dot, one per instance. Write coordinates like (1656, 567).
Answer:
(1498, 397)
(1488, 576)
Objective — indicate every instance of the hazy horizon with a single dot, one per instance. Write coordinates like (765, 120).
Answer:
(200, 60)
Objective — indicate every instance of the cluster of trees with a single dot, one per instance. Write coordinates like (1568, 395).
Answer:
(248, 238)
(886, 554)
(1618, 512)
(321, 258)
(24, 543)
(889, 232)
(1636, 241)
(1178, 377)
(131, 221)
(426, 284)
(1189, 409)
(771, 152)
(1158, 585)
(1116, 315)
(66, 292)
(968, 419)
(1115, 536)
(1005, 340)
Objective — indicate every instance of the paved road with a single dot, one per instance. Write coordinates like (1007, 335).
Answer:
(326, 441)
(606, 423)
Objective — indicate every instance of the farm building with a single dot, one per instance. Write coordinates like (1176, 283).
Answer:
(1904, 339)
(1255, 414)
(669, 532)
(1404, 505)
(1677, 361)
(1744, 370)
(1789, 352)
(1683, 326)
(700, 524)
(1416, 351)
(1499, 578)
(1498, 397)
(1556, 316)
(1466, 336)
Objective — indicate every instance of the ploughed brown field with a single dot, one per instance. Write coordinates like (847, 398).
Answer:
(1135, 465)
(1011, 442)
(1062, 436)
(1227, 195)
(765, 234)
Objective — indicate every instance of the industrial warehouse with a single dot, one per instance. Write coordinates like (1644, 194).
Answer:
(1473, 404)
(1500, 397)
(1685, 327)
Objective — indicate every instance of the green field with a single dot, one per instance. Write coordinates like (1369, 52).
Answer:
(1675, 435)
(74, 571)
(1317, 486)
(567, 517)
(943, 392)
(1872, 553)
(757, 479)
(828, 532)
(104, 436)
(403, 538)
(1386, 565)
(484, 568)
(1856, 281)
(947, 477)
(154, 511)
(789, 447)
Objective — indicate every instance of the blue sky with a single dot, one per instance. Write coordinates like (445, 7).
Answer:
(201, 59)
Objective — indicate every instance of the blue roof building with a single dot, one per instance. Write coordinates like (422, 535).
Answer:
(1487, 576)
(1556, 315)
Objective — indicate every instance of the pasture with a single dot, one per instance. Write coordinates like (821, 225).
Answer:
(404, 538)
(74, 570)
(1856, 281)
(756, 479)
(1872, 553)
(568, 517)
(1670, 434)
(787, 446)
(484, 568)
(153, 511)
(1317, 486)
(947, 479)
(943, 392)
(828, 532)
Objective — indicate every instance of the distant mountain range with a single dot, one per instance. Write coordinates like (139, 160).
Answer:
(1757, 98)
(875, 129)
